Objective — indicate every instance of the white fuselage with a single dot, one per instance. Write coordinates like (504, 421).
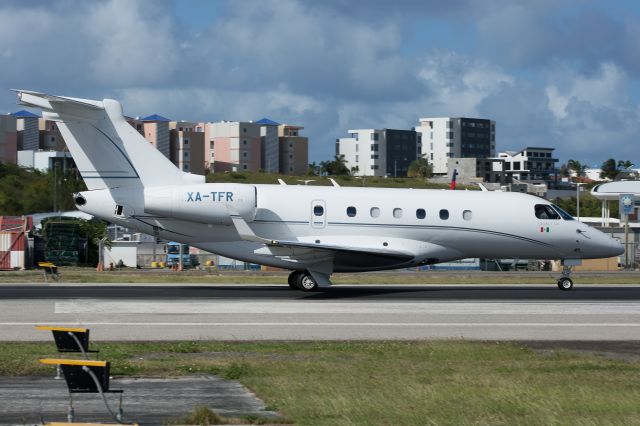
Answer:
(478, 224)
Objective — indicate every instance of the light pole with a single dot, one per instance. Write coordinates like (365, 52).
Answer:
(578, 184)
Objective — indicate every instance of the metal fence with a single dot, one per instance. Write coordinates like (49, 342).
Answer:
(630, 260)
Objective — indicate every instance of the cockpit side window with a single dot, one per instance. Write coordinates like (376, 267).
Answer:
(545, 211)
(564, 214)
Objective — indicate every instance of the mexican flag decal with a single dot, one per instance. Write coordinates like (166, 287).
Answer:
(544, 229)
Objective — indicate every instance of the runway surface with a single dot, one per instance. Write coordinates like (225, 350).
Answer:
(270, 312)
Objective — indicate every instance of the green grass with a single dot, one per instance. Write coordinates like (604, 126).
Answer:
(445, 382)
(160, 276)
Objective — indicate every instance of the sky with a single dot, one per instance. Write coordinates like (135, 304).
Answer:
(563, 74)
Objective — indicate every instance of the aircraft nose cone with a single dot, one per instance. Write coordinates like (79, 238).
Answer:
(608, 247)
(616, 248)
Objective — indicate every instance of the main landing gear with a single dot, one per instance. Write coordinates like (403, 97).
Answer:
(302, 280)
(564, 282)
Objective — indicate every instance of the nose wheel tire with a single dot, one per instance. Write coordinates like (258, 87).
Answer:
(305, 282)
(565, 284)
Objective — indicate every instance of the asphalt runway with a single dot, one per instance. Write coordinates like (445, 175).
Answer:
(270, 312)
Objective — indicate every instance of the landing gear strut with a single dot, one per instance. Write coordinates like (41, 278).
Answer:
(302, 281)
(564, 282)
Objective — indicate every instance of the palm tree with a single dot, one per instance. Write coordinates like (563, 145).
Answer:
(578, 168)
(313, 169)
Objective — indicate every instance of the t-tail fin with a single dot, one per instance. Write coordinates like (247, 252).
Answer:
(108, 152)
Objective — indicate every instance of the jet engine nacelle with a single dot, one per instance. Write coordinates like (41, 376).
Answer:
(212, 203)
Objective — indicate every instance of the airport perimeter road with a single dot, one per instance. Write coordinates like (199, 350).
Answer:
(267, 312)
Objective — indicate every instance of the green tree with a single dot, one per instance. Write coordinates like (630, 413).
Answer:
(589, 206)
(420, 168)
(25, 191)
(337, 167)
(624, 164)
(577, 167)
(608, 169)
(314, 169)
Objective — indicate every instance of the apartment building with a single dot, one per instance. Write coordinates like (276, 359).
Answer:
(379, 152)
(529, 164)
(27, 126)
(233, 146)
(8, 139)
(187, 146)
(269, 145)
(293, 150)
(443, 138)
(156, 130)
(50, 137)
(193, 147)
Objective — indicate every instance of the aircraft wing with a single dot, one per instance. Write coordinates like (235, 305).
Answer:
(385, 255)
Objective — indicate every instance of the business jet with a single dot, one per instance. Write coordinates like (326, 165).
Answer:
(313, 231)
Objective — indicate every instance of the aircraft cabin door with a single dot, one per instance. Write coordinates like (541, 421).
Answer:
(318, 214)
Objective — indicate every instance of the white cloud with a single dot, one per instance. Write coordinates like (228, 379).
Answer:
(606, 89)
(331, 66)
(460, 84)
(308, 49)
(131, 44)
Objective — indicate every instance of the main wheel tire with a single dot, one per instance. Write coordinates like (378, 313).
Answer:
(293, 279)
(306, 282)
(565, 284)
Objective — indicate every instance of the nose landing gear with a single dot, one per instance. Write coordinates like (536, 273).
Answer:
(565, 283)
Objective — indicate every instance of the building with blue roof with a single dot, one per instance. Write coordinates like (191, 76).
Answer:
(28, 128)
(25, 114)
(267, 122)
(155, 117)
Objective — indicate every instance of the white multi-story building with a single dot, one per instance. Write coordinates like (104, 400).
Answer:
(442, 138)
(379, 152)
(529, 164)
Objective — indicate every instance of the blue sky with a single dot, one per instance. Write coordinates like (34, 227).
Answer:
(562, 74)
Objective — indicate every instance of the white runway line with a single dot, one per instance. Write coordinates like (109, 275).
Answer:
(97, 306)
(331, 324)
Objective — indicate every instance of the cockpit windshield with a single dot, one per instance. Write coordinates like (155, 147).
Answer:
(546, 212)
(551, 212)
(564, 214)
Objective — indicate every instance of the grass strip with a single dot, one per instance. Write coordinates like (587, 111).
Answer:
(132, 276)
(440, 382)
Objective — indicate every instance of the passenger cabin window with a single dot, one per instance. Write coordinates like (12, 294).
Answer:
(444, 214)
(397, 213)
(564, 214)
(545, 211)
(351, 211)
(318, 210)
(467, 215)
(375, 212)
(421, 214)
